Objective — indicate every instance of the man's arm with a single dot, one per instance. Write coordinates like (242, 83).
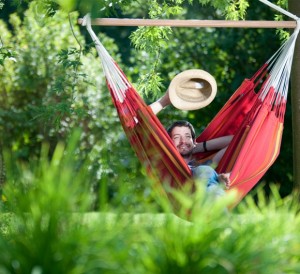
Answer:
(161, 103)
(213, 144)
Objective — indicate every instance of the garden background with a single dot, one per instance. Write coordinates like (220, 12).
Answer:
(74, 197)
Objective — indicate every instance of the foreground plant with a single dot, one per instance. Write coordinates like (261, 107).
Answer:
(47, 227)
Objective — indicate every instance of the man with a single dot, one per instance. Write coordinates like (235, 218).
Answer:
(183, 135)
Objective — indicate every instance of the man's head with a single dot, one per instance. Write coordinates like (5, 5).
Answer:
(183, 135)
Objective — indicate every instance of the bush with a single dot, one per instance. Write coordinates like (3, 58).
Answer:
(47, 227)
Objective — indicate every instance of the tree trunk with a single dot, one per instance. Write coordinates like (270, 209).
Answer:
(294, 7)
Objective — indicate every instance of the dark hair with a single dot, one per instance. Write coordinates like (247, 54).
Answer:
(182, 123)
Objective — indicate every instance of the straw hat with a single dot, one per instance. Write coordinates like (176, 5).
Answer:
(192, 89)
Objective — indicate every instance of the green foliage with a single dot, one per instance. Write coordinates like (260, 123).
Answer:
(54, 86)
(46, 227)
(154, 40)
(6, 53)
(236, 10)
(283, 34)
(47, 7)
(64, 173)
(95, 7)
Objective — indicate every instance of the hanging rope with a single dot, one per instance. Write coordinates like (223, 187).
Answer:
(115, 77)
(283, 11)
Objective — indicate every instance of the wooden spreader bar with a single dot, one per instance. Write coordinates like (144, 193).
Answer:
(192, 23)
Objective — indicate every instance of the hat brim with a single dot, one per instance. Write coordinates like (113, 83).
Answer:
(192, 89)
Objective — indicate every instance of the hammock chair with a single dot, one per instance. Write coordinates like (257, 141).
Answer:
(254, 115)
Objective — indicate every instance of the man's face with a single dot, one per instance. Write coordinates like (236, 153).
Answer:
(182, 138)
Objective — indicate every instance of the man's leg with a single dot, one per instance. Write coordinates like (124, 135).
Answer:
(209, 176)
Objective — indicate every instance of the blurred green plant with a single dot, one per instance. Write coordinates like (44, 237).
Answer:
(47, 227)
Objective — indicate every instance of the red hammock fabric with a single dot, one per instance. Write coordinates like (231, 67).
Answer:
(257, 127)
(254, 115)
